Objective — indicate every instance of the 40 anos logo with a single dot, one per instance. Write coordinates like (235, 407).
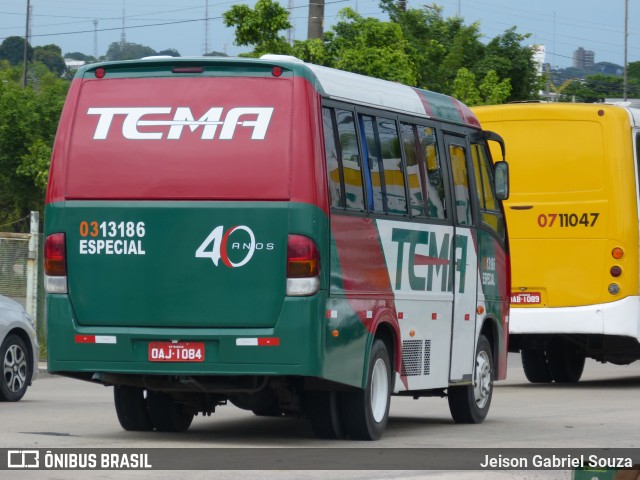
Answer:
(235, 247)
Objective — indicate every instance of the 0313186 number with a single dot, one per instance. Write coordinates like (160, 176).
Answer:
(567, 219)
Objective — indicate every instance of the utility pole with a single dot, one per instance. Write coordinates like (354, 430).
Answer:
(123, 37)
(290, 33)
(626, 41)
(316, 19)
(206, 27)
(95, 38)
(26, 46)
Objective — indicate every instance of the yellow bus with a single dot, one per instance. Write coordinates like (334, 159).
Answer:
(573, 221)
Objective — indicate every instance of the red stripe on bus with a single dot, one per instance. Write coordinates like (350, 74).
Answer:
(85, 339)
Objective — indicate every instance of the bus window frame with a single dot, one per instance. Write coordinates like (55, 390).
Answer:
(462, 137)
(443, 130)
(338, 147)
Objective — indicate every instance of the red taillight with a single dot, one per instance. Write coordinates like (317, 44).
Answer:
(100, 72)
(55, 255)
(303, 258)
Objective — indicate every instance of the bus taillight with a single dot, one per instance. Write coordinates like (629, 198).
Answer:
(617, 253)
(303, 266)
(55, 263)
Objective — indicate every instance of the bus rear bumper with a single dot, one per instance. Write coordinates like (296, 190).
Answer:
(620, 318)
(224, 351)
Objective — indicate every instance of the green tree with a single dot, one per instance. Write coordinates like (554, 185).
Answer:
(316, 50)
(51, 56)
(28, 121)
(213, 53)
(12, 50)
(172, 52)
(509, 58)
(371, 47)
(128, 51)
(440, 46)
(490, 91)
(465, 89)
(633, 71)
(493, 90)
(259, 27)
(80, 56)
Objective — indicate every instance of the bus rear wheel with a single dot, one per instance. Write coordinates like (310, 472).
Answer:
(131, 408)
(566, 361)
(166, 414)
(366, 412)
(536, 366)
(325, 412)
(470, 403)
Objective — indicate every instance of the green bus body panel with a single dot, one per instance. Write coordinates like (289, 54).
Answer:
(169, 294)
(156, 280)
(129, 354)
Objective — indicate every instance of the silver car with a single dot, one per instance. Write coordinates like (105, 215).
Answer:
(18, 350)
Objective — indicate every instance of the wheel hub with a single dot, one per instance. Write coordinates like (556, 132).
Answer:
(482, 385)
(15, 368)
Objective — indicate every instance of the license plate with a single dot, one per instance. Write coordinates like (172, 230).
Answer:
(176, 351)
(528, 298)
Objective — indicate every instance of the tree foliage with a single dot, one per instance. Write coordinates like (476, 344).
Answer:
(260, 27)
(128, 51)
(416, 46)
(597, 88)
(28, 121)
(51, 56)
(12, 50)
(80, 56)
(371, 47)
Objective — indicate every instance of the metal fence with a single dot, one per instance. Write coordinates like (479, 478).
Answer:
(19, 266)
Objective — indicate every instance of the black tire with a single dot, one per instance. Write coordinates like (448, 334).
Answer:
(470, 403)
(325, 412)
(131, 408)
(365, 412)
(536, 366)
(16, 369)
(166, 414)
(566, 361)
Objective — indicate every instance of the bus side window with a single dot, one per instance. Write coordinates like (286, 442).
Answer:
(416, 177)
(436, 201)
(382, 147)
(461, 184)
(489, 208)
(335, 174)
(350, 160)
(392, 165)
(371, 149)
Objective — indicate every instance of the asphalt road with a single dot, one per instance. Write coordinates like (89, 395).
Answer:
(599, 412)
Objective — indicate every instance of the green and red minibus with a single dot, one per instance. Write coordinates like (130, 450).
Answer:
(285, 237)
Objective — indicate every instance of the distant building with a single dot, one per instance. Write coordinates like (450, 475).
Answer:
(539, 57)
(583, 59)
(74, 64)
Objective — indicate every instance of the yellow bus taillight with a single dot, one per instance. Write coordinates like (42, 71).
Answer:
(617, 253)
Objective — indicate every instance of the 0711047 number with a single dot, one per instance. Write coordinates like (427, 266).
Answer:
(567, 219)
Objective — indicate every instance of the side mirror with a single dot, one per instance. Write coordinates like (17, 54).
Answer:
(501, 180)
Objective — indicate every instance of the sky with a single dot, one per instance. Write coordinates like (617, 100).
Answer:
(560, 25)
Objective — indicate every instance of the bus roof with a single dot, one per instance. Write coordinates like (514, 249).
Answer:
(554, 110)
(329, 82)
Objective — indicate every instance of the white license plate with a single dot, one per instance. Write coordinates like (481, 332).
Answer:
(176, 351)
(528, 298)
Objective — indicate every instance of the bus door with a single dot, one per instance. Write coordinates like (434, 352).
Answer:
(464, 278)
